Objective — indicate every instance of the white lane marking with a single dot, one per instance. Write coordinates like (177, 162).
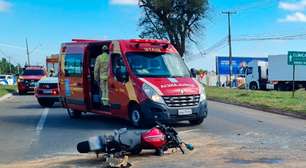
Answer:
(187, 131)
(40, 124)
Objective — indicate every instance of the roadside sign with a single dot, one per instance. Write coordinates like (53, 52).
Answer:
(296, 58)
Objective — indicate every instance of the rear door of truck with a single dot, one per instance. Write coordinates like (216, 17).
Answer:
(72, 77)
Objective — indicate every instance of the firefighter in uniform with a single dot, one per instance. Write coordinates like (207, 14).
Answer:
(101, 74)
(52, 74)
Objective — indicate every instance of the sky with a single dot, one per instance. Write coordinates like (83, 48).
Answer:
(48, 23)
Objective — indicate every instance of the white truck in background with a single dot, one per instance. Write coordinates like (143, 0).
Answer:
(275, 74)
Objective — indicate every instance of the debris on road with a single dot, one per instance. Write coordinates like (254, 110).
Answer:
(112, 161)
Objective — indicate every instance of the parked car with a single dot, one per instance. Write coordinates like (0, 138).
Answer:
(7, 80)
(46, 91)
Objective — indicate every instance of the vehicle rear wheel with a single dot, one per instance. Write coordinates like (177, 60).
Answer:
(197, 121)
(136, 117)
(74, 113)
(253, 86)
(45, 103)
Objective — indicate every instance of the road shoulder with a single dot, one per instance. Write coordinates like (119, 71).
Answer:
(275, 111)
(6, 96)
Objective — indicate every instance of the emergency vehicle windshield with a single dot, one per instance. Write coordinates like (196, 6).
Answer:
(29, 72)
(157, 65)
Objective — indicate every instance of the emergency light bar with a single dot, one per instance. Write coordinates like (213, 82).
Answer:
(83, 40)
(155, 41)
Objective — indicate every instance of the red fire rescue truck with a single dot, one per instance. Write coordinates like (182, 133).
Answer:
(148, 81)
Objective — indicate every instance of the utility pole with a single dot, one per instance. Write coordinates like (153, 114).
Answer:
(28, 53)
(229, 13)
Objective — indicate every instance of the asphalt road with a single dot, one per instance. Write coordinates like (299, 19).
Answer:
(29, 132)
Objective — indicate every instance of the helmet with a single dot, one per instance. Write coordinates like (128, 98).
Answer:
(104, 48)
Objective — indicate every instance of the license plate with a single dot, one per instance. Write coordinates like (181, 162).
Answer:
(47, 91)
(32, 84)
(184, 112)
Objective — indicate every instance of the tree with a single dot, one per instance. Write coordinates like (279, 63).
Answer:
(6, 67)
(175, 20)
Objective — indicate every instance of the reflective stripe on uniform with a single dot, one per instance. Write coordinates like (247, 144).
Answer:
(131, 91)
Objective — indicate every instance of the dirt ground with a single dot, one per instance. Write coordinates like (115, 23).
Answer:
(209, 152)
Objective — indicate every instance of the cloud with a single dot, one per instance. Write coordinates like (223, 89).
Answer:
(296, 17)
(293, 6)
(124, 2)
(4, 5)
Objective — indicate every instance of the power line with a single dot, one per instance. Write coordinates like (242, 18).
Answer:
(216, 46)
(280, 37)
(12, 46)
(221, 43)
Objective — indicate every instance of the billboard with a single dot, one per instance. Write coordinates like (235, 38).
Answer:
(239, 64)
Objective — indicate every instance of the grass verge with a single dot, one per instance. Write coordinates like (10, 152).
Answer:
(266, 100)
(7, 89)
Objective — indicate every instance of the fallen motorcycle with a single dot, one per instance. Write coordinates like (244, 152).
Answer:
(159, 138)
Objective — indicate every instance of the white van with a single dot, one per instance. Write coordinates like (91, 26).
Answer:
(6, 80)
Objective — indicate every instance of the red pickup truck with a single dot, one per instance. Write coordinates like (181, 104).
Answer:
(29, 77)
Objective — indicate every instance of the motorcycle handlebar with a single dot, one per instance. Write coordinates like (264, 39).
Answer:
(170, 131)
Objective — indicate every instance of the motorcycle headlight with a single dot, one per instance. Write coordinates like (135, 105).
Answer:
(202, 93)
(152, 94)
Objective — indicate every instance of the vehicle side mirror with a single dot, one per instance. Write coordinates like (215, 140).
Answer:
(193, 72)
(122, 74)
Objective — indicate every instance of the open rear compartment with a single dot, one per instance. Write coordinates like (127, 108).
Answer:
(93, 51)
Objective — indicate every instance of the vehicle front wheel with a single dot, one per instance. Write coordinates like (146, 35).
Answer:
(136, 117)
(45, 103)
(74, 113)
(197, 121)
(253, 86)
